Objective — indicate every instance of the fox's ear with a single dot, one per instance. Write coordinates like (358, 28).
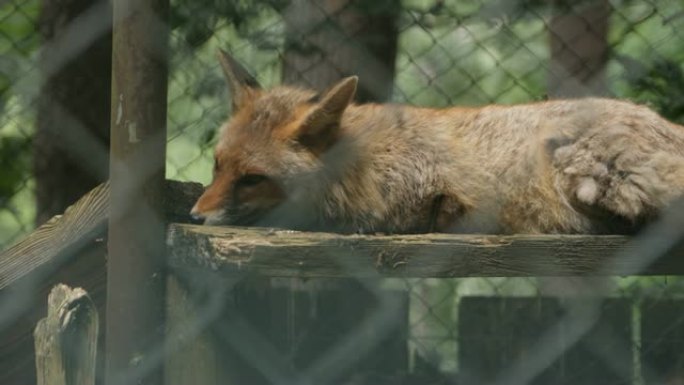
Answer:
(321, 125)
(240, 82)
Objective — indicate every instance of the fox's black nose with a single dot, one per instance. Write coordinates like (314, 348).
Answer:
(196, 215)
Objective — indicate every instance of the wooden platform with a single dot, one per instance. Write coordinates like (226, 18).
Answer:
(283, 253)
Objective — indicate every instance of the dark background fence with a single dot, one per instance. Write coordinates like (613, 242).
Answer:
(55, 98)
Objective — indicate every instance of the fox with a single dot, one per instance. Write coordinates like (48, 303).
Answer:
(295, 158)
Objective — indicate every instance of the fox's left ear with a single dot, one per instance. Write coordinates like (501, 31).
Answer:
(240, 82)
(321, 126)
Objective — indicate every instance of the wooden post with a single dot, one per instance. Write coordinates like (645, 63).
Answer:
(66, 340)
(136, 267)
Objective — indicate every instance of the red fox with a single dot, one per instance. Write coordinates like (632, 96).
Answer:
(290, 157)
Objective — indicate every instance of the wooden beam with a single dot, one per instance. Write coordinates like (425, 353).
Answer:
(296, 254)
(136, 265)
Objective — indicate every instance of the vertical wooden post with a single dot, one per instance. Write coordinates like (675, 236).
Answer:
(136, 260)
(66, 340)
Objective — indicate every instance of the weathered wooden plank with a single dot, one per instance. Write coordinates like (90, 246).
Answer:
(81, 223)
(66, 340)
(289, 253)
(60, 233)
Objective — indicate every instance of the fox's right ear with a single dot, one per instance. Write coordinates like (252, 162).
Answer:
(321, 126)
(240, 82)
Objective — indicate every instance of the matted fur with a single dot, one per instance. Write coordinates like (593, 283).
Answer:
(322, 162)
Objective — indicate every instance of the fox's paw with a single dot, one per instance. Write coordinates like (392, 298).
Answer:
(630, 184)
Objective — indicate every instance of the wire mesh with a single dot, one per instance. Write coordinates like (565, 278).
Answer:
(421, 52)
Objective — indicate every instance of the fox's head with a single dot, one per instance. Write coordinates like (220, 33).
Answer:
(268, 150)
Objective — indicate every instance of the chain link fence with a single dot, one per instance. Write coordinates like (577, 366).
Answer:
(421, 52)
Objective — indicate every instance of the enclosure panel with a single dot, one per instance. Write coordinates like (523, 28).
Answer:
(545, 341)
(311, 329)
(662, 341)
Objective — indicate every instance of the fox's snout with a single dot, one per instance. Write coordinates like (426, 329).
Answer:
(210, 205)
(196, 214)
(199, 214)
(237, 201)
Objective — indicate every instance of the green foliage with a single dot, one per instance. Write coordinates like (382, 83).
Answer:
(14, 161)
(661, 85)
(198, 20)
(18, 41)
(494, 52)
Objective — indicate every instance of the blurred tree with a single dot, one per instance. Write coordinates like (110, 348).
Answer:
(579, 48)
(327, 40)
(71, 153)
(198, 20)
(660, 84)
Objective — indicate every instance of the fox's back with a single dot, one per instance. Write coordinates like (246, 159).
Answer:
(517, 161)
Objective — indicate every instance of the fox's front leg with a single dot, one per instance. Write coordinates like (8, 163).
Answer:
(444, 213)
(621, 174)
(453, 213)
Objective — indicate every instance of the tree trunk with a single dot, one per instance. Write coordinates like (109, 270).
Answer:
(579, 48)
(72, 136)
(330, 39)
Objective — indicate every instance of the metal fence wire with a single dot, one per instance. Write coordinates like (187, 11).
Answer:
(627, 330)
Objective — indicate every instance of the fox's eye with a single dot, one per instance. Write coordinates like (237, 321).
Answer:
(251, 180)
